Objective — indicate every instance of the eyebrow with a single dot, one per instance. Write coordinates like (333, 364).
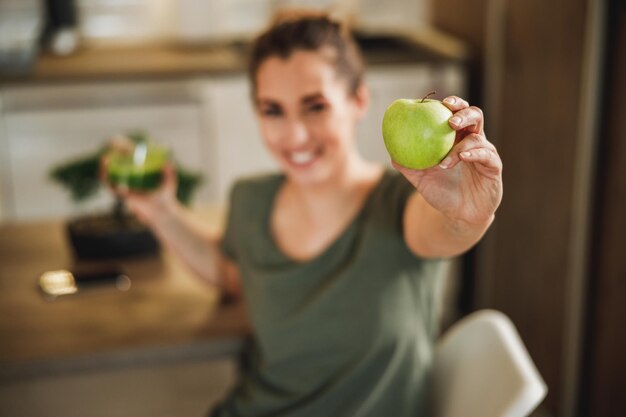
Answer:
(312, 97)
(266, 101)
(306, 99)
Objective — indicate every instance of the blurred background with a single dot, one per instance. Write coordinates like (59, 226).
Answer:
(549, 76)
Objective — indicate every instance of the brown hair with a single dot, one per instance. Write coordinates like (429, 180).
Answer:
(309, 31)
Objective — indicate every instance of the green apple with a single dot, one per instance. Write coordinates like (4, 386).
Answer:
(416, 132)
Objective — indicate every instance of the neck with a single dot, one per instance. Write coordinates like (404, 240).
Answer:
(343, 186)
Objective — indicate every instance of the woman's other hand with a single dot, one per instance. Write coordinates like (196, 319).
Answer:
(147, 206)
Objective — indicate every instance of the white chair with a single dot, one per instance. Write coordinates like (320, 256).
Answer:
(482, 369)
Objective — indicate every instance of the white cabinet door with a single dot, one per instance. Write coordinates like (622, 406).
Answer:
(4, 163)
(39, 140)
(233, 128)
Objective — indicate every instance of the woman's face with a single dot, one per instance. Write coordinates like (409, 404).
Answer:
(307, 117)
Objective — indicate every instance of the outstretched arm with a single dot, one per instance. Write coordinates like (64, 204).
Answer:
(455, 201)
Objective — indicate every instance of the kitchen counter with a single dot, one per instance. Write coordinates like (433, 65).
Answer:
(380, 46)
(167, 315)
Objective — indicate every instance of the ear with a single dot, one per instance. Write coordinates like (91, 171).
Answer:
(362, 100)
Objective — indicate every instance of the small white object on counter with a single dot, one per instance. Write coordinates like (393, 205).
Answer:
(64, 41)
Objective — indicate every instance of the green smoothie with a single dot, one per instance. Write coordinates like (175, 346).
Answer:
(139, 169)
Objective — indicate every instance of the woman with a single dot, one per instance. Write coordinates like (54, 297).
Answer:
(336, 256)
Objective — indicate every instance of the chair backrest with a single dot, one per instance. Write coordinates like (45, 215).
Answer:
(482, 369)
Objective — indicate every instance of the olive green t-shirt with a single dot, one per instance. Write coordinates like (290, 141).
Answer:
(348, 333)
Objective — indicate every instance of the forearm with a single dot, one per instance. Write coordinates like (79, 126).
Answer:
(432, 234)
(183, 234)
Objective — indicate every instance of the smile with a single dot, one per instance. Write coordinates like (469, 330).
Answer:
(302, 158)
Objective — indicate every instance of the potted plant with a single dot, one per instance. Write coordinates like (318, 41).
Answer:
(117, 233)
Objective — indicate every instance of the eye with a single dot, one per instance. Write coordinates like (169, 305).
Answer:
(316, 107)
(271, 111)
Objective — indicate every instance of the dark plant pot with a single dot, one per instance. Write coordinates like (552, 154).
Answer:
(108, 236)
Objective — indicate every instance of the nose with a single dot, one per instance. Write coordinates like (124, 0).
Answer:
(296, 133)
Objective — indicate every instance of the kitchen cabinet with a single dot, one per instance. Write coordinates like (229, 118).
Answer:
(187, 387)
(207, 121)
(45, 126)
(235, 142)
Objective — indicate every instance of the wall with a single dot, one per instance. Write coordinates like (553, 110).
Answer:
(3, 162)
(523, 265)
(604, 380)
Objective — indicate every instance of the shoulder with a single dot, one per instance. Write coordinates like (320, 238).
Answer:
(388, 202)
(393, 192)
(260, 186)
(249, 201)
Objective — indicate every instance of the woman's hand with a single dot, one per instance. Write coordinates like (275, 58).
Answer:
(467, 185)
(178, 229)
(148, 206)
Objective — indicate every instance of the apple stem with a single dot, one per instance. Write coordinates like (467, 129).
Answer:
(428, 95)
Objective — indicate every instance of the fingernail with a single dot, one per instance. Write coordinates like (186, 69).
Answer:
(456, 120)
(446, 163)
(466, 154)
(449, 100)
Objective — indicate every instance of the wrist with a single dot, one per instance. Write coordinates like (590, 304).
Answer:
(463, 227)
(157, 214)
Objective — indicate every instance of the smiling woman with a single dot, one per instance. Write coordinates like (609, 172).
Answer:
(307, 116)
(338, 257)
(307, 86)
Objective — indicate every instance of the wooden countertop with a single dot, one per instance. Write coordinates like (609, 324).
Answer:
(380, 46)
(166, 308)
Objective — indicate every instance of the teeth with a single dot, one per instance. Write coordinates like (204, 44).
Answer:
(301, 157)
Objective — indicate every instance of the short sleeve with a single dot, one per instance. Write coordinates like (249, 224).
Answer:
(228, 243)
(249, 203)
(400, 191)
(392, 199)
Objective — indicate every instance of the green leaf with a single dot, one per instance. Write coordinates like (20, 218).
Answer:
(79, 176)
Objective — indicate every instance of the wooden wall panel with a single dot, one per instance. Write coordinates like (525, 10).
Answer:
(605, 366)
(528, 249)
(467, 20)
(541, 93)
(463, 18)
